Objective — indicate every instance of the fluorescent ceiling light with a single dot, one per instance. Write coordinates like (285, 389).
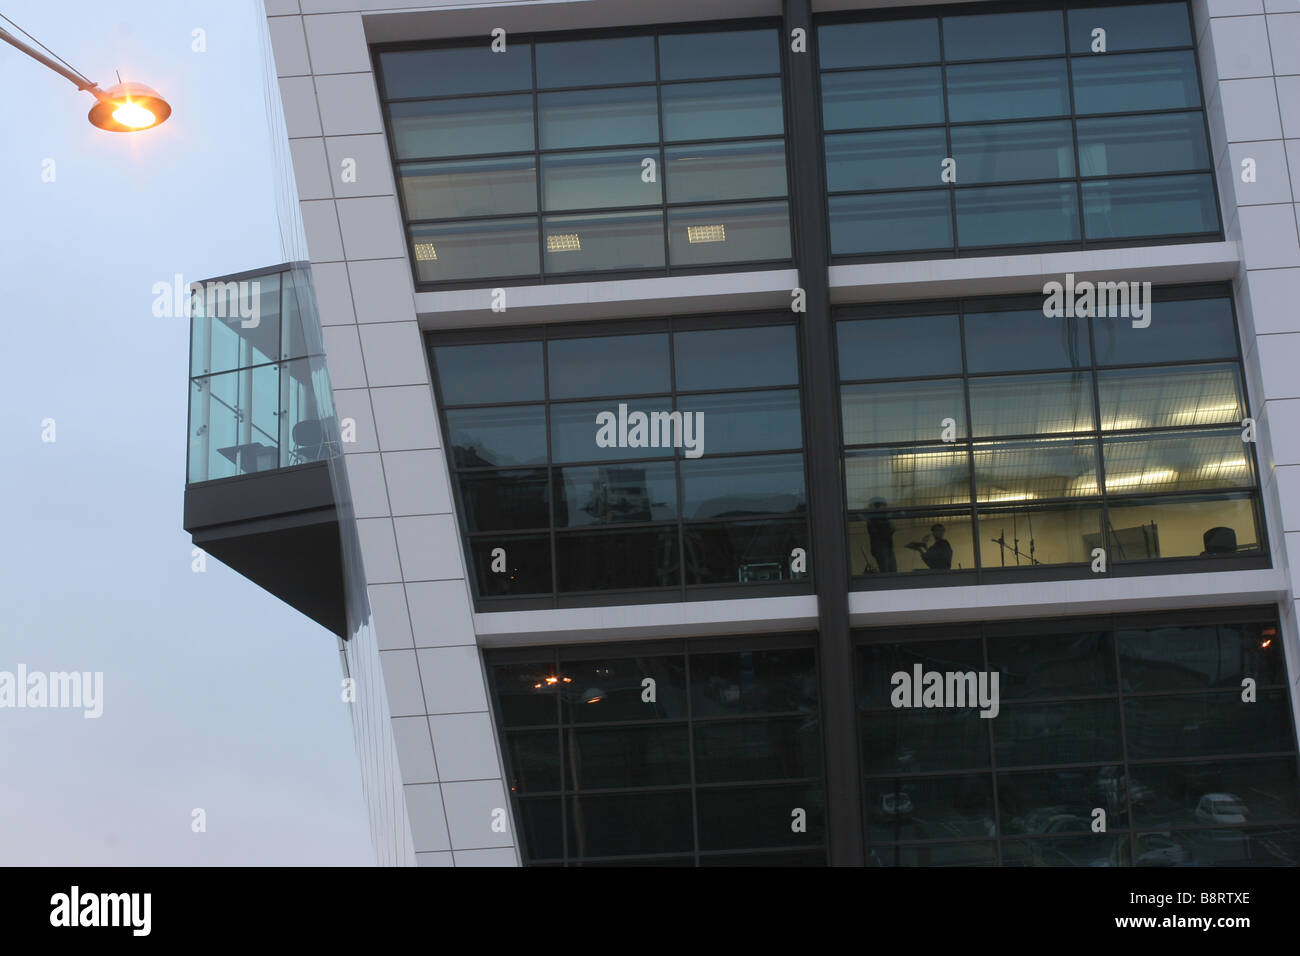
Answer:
(564, 242)
(425, 252)
(715, 233)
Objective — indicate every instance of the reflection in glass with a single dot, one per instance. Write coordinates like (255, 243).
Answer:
(611, 560)
(1196, 725)
(882, 98)
(903, 741)
(498, 436)
(478, 187)
(600, 690)
(1170, 397)
(608, 60)
(1031, 404)
(616, 117)
(1216, 793)
(877, 44)
(1008, 341)
(606, 240)
(1018, 471)
(729, 109)
(1196, 657)
(890, 160)
(574, 431)
(902, 411)
(690, 56)
(1142, 144)
(735, 358)
(754, 681)
(738, 487)
(608, 365)
(1013, 90)
(598, 824)
(907, 477)
(501, 372)
(929, 808)
(1060, 801)
(1118, 208)
(996, 36)
(469, 127)
(1135, 82)
(1014, 215)
(636, 491)
(607, 757)
(451, 71)
(899, 348)
(891, 222)
(595, 180)
(1013, 151)
(1180, 330)
(743, 552)
(748, 170)
(503, 500)
(474, 250)
(1177, 461)
(737, 817)
(1067, 732)
(1054, 664)
(528, 565)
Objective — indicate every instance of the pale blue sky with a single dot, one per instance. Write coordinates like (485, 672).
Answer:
(216, 695)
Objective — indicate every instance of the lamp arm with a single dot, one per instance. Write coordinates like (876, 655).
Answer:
(68, 74)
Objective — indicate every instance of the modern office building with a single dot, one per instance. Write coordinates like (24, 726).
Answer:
(696, 384)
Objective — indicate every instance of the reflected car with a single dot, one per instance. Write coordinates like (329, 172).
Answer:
(1221, 808)
(1158, 849)
(892, 807)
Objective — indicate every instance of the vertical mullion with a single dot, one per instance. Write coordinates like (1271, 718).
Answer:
(1123, 739)
(537, 165)
(663, 173)
(1074, 129)
(677, 462)
(947, 131)
(550, 469)
(690, 745)
(993, 762)
(970, 442)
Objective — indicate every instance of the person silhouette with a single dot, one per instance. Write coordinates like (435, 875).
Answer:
(937, 556)
(880, 533)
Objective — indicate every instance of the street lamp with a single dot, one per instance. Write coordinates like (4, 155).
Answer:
(124, 108)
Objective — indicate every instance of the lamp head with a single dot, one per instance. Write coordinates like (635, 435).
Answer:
(128, 108)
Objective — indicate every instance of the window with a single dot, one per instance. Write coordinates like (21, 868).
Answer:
(709, 746)
(982, 437)
(564, 157)
(1054, 144)
(661, 457)
(259, 395)
(1140, 718)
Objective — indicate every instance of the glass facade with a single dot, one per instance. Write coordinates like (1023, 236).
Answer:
(1140, 718)
(1053, 141)
(700, 753)
(259, 398)
(557, 158)
(981, 435)
(661, 457)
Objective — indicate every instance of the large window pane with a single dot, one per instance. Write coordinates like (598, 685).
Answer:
(743, 232)
(908, 477)
(735, 358)
(1144, 26)
(883, 542)
(757, 749)
(1170, 397)
(1211, 525)
(994, 36)
(479, 187)
(598, 117)
(1130, 83)
(898, 348)
(881, 43)
(722, 110)
(481, 124)
(456, 70)
(1015, 90)
(903, 741)
(610, 60)
(1013, 151)
(891, 222)
(1016, 215)
(750, 170)
(1055, 801)
(737, 487)
(1068, 732)
(488, 374)
(1031, 404)
(614, 560)
(692, 56)
(593, 180)
(498, 436)
(890, 160)
(1194, 725)
(1026, 535)
(882, 98)
(608, 757)
(598, 825)
(475, 250)
(1215, 793)
(1178, 461)
(617, 682)
(902, 412)
(1181, 330)
(1200, 656)
(504, 500)
(1053, 664)
(608, 365)
(603, 241)
(1151, 206)
(528, 565)
(731, 818)
(575, 429)
(534, 760)
(1045, 468)
(754, 681)
(1142, 144)
(748, 421)
(520, 702)
(929, 808)
(743, 552)
(1012, 340)
(640, 491)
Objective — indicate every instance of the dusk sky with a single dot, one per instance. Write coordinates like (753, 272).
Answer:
(215, 694)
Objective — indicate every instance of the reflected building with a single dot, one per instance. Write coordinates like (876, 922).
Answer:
(581, 653)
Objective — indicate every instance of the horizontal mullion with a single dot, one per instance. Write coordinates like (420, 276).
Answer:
(1060, 55)
(544, 90)
(399, 162)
